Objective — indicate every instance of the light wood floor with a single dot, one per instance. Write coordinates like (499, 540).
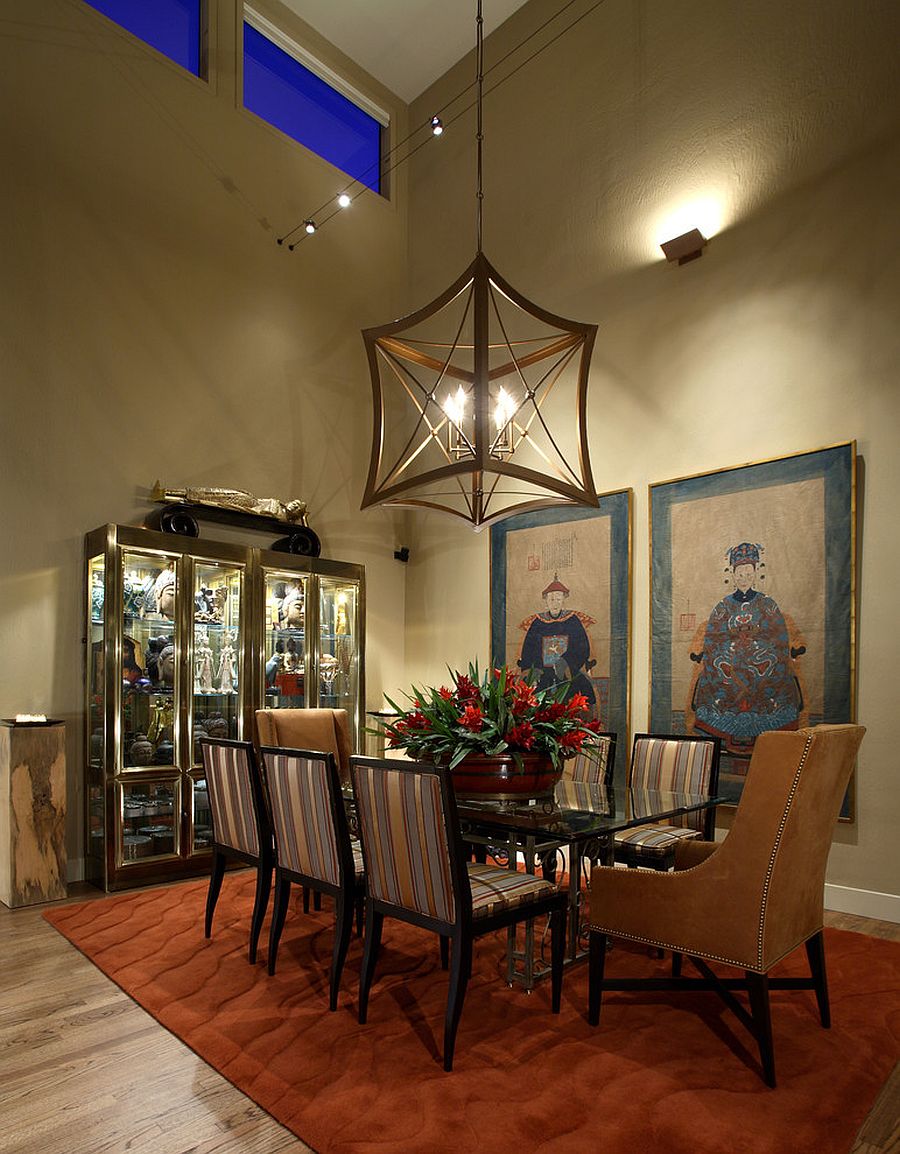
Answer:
(84, 1070)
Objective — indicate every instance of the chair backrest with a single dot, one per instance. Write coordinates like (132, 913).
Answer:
(327, 730)
(409, 830)
(307, 811)
(593, 770)
(678, 763)
(770, 869)
(236, 800)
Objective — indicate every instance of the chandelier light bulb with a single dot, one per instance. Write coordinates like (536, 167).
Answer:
(437, 125)
(505, 409)
(344, 200)
(455, 407)
(310, 226)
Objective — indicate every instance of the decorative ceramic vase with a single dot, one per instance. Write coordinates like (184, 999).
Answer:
(500, 778)
(141, 751)
(165, 753)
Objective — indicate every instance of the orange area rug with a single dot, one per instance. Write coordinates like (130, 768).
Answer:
(662, 1072)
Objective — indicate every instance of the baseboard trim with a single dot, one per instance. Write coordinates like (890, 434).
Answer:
(863, 903)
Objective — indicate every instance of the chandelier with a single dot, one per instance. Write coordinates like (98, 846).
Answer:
(480, 397)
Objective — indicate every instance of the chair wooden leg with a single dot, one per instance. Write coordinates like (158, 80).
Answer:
(677, 960)
(263, 886)
(445, 952)
(317, 900)
(460, 969)
(815, 952)
(306, 899)
(557, 955)
(279, 912)
(758, 989)
(374, 922)
(215, 887)
(343, 927)
(596, 965)
(360, 905)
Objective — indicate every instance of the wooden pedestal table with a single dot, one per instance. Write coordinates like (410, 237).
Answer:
(32, 813)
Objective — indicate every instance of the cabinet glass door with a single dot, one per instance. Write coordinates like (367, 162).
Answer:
(338, 645)
(150, 596)
(284, 645)
(218, 645)
(96, 696)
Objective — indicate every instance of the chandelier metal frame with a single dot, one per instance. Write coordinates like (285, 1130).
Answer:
(478, 464)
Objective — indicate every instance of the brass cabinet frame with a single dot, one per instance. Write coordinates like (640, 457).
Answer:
(107, 772)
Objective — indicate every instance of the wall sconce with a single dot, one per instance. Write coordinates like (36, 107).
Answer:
(686, 247)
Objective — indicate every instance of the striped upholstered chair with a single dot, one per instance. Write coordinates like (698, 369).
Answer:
(240, 824)
(585, 771)
(671, 762)
(312, 844)
(416, 870)
(593, 770)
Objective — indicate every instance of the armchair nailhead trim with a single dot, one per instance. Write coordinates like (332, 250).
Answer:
(765, 894)
(759, 968)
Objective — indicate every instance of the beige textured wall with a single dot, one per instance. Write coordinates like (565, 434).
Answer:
(783, 337)
(151, 327)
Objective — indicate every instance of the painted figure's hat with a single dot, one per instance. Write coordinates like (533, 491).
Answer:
(555, 586)
(743, 554)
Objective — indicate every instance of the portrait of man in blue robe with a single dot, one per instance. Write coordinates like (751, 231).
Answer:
(557, 643)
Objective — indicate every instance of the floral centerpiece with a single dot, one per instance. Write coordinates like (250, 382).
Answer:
(498, 715)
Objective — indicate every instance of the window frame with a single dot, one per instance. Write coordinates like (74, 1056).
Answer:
(205, 76)
(291, 47)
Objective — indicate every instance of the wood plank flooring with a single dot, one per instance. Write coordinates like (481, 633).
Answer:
(84, 1070)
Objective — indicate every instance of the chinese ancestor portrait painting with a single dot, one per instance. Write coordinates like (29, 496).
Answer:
(749, 673)
(560, 602)
(752, 578)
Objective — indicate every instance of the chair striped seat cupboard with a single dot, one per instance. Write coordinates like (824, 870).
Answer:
(416, 871)
(677, 763)
(312, 845)
(240, 824)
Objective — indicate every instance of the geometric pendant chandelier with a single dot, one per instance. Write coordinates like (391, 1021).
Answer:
(480, 397)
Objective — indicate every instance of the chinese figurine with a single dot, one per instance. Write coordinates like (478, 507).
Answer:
(227, 667)
(238, 499)
(203, 663)
(292, 607)
(164, 592)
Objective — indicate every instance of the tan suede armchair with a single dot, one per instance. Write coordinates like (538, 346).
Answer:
(748, 901)
(324, 730)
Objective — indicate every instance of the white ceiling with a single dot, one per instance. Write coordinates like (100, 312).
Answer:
(406, 44)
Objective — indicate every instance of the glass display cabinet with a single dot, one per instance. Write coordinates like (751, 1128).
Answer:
(184, 638)
(312, 654)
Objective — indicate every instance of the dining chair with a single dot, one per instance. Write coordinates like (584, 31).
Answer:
(312, 845)
(416, 871)
(587, 771)
(593, 770)
(327, 730)
(748, 901)
(241, 829)
(677, 763)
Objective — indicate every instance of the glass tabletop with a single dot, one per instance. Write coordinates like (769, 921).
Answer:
(580, 810)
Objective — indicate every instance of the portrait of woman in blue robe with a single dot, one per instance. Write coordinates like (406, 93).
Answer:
(747, 682)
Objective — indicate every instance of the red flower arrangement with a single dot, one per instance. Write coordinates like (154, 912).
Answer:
(499, 713)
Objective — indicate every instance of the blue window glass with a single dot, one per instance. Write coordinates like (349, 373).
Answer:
(173, 27)
(280, 90)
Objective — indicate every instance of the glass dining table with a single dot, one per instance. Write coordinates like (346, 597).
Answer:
(580, 818)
